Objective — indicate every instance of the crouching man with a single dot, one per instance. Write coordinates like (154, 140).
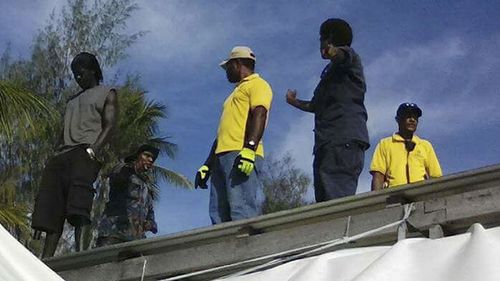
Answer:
(129, 213)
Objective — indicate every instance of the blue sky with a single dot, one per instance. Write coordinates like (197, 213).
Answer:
(442, 55)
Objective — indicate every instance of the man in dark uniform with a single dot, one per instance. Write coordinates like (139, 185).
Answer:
(340, 132)
(66, 191)
(129, 212)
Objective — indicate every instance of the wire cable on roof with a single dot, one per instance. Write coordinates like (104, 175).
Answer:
(143, 268)
(292, 254)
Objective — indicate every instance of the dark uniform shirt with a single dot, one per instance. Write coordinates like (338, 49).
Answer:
(338, 103)
(129, 213)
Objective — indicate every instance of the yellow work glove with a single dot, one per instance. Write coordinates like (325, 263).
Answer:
(202, 177)
(245, 161)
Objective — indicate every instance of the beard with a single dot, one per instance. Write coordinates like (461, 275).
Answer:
(232, 77)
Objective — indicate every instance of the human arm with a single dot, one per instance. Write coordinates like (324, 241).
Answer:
(291, 98)
(260, 98)
(203, 173)
(211, 156)
(254, 130)
(378, 168)
(120, 177)
(150, 224)
(109, 119)
(378, 180)
(337, 55)
(255, 127)
(433, 168)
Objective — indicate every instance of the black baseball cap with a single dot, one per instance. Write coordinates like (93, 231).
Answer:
(145, 147)
(408, 107)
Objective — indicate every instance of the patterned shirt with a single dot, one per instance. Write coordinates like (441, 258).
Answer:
(129, 213)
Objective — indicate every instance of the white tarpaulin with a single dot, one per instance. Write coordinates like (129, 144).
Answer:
(473, 256)
(18, 264)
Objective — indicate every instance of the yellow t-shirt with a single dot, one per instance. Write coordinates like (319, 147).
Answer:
(390, 158)
(251, 92)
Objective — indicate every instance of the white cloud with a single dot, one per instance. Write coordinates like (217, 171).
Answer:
(411, 74)
(400, 75)
(299, 141)
(443, 77)
(205, 30)
(180, 30)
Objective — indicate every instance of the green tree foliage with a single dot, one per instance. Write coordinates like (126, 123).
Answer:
(18, 111)
(285, 186)
(79, 26)
(12, 213)
(18, 108)
(138, 124)
(99, 28)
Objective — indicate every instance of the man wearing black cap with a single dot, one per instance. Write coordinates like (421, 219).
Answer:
(66, 191)
(129, 212)
(340, 132)
(404, 157)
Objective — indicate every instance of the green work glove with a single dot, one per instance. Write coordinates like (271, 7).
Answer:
(245, 161)
(202, 177)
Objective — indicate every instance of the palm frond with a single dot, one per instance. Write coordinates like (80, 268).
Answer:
(169, 148)
(18, 108)
(150, 112)
(14, 216)
(171, 177)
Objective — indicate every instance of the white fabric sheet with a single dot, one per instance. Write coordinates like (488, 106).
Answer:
(473, 256)
(19, 264)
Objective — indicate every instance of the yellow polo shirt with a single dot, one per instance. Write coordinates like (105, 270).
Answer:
(390, 158)
(251, 92)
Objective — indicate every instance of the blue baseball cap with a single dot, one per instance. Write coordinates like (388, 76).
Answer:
(408, 107)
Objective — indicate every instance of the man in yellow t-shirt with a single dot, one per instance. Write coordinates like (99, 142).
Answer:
(404, 157)
(238, 151)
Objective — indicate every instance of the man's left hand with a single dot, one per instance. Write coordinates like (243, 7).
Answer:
(245, 161)
(150, 226)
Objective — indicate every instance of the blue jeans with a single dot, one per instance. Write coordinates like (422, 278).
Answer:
(233, 195)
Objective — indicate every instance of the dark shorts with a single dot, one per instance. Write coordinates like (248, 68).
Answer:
(108, 240)
(336, 170)
(66, 191)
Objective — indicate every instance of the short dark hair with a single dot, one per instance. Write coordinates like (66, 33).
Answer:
(249, 63)
(336, 31)
(88, 61)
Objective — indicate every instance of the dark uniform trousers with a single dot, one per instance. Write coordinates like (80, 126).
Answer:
(336, 170)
